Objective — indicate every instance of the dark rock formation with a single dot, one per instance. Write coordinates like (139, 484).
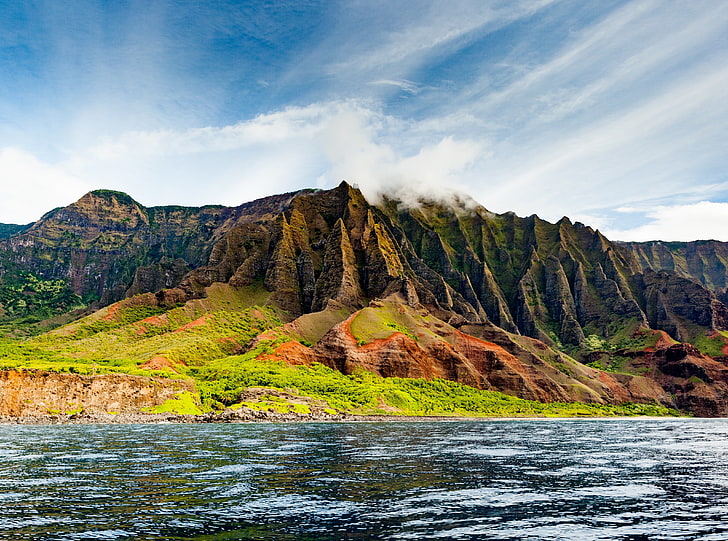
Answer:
(698, 383)
(108, 246)
(704, 261)
(556, 282)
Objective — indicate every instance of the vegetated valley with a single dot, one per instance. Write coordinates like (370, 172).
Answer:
(319, 303)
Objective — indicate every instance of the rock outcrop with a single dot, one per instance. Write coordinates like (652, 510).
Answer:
(704, 261)
(555, 282)
(485, 357)
(39, 393)
(108, 246)
(698, 383)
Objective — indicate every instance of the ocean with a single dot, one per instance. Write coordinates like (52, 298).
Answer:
(560, 479)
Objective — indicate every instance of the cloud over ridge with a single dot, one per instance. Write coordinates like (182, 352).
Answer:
(556, 107)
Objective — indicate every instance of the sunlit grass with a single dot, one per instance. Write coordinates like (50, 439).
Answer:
(201, 341)
(222, 383)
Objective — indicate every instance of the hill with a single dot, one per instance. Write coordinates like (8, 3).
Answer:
(324, 284)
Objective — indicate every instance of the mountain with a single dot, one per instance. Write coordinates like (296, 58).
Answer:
(8, 230)
(541, 311)
(705, 261)
(106, 245)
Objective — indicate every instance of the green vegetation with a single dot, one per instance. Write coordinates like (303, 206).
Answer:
(711, 344)
(613, 352)
(224, 381)
(632, 336)
(311, 327)
(594, 343)
(28, 355)
(184, 403)
(121, 197)
(136, 330)
(610, 362)
(27, 298)
(122, 337)
(202, 340)
(381, 322)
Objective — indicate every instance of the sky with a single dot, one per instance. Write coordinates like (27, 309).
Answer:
(613, 113)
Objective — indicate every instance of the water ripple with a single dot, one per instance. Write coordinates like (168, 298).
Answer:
(551, 479)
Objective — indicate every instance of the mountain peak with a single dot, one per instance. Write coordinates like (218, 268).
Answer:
(110, 196)
(441, 269)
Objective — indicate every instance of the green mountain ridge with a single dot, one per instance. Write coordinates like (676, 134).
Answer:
(8, 230)
(436, 291)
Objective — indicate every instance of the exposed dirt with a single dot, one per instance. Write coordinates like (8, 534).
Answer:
(29, 393)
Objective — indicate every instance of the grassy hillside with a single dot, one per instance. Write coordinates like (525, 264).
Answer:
(223, 381)
(213, 341)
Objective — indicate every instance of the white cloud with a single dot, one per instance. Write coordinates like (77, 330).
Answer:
(297, 147)
(404, 85)
(263, 130)
(399, 40)
(31, 188)
(705, 220)
(349, 143)
(631, 111)
(578, 112)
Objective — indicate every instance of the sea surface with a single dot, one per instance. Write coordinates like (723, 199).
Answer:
(525, 479)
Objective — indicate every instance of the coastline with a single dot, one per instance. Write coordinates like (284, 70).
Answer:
(226, 417)
(241, 417)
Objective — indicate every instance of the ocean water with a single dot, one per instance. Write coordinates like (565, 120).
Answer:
(527, 479)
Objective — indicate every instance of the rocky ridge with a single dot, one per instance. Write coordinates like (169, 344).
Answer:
(483, 299)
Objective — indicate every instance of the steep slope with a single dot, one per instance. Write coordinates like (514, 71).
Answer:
(108, 246)
(705, 261)
(392, 339)
(203, 338)
(40, 393)
(697, 382)
(555, 282)
(432, 291)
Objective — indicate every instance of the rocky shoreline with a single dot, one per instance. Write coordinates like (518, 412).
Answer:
(228, 416)
(255, 416)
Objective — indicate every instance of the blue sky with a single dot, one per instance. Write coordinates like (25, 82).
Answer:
(614, 113)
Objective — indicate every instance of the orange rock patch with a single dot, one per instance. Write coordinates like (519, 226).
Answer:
(112, 309)
(293, 353)
(158, 362)
(196, 323)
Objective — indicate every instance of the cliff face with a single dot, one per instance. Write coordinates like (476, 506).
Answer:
(108, 246)
(495, 294)
(696, 382)
(438, 350)
(555, 282)
(40, 393)
(704, 261)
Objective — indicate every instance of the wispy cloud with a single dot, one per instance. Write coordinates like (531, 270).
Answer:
(388, 41)
(704, 220)
(630, 109)
(322, 143)
(406, 86)
(601, 160)
(558, 107)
